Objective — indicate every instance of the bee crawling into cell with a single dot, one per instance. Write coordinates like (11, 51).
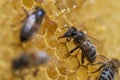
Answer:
(29, 60)
(82, 42)
(31, 23)
(108, 70)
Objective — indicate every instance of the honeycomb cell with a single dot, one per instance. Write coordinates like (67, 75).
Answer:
(52, 69)
(69, 64)
(62, 67)
(61, 51)
(28, 3)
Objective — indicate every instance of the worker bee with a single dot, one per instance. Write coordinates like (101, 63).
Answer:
(108, 70)
(81, 41)
(31, 23)
(27, 61)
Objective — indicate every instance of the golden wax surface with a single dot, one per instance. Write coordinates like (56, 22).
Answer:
(99, 18)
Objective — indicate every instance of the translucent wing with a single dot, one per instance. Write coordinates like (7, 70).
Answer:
(83, 27)
(93, 40)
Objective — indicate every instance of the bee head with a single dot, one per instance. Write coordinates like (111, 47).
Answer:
(20, 62)
(70, 33)
(74, 33)
(39, 12)
(115, 63)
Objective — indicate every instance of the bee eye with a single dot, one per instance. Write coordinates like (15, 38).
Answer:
(73, 34)
(40, 13)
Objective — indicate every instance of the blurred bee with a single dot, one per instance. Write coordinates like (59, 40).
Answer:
(31, 23)
(81, 41)
(108, 70)
(30, 60)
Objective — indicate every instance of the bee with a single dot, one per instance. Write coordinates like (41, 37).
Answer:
(82, 42)
(31, 23)
(29, 60)
(108, 70)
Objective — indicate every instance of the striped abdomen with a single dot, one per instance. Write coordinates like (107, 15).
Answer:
(107, 74)
(89, 51)
(90, 54)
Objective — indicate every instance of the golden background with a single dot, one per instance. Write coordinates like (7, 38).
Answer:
(100, 18)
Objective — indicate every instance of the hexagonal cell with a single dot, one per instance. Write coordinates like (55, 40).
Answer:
(52, 72)
(78, 73)
(82, 71)
(61, 51)
(72, 63)
(62, 68)
(28, 3)
(42, 75)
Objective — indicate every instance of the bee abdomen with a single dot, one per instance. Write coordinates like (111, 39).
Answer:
(107, 74)
(90, 54)
(25, 34)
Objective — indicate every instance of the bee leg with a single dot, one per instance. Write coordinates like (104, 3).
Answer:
(92, 64)
(72, 50)
(98, 68)
(65, 43)
(82, 61)
(36, 71)
(82, 58)
(75, 71)
(66, 47)
(78, 61)
(103, 57)
(26, 12)
(81, 64)
(68, 39)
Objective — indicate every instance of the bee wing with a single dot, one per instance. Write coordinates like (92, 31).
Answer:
(83, 27)
(93, 40)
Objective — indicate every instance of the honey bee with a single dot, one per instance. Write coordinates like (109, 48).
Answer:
(26, 61)
(108, 70)
(31, 23)
(81, 41)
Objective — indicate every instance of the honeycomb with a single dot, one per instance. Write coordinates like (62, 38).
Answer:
(99, 18)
